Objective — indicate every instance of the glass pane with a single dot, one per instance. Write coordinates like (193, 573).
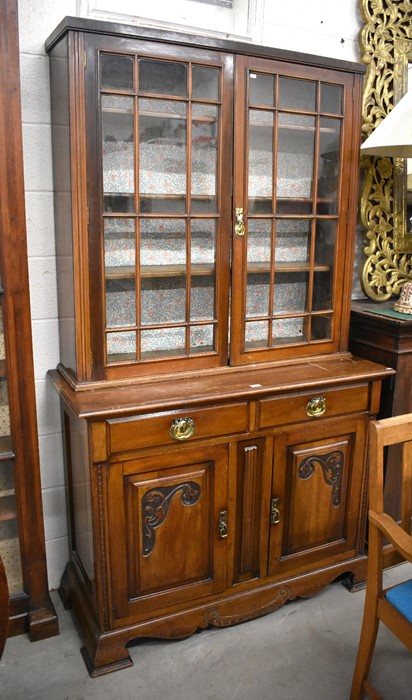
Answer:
(331, 98)
(205, 136)
(201, 339)
(261, 89)
(162, 77)
(116, 72)
(9, 536)
(325, 244)
(118, 153)
(205, 83)
(119, 246)
(163, 342)
(297, 94)
(259, 244)
(322, 291)
(4, 408)
(162, 156)
(10, 552)
(321, 328)
(121, 346)
(260, 180)
(256, 334)
(292, 240)
(203, 243)
(288, 330)
(296, 144)
(290, 293)
(163, 300)
(162, 246)
(329, 148)
(120, 303)
(6, 479)
(163, 271)
(257, 295)
(202, 298)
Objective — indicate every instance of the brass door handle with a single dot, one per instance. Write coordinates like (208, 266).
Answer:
(316, 407)
(182, 428)
(222, 525)
(275, 511)
(240, 228)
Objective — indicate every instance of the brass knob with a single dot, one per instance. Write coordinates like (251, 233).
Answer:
(316, 407)
(182, 428)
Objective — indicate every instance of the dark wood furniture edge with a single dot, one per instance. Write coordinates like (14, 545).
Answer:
(219, 611)
(95, 26)
(178, 391)
(41, 619)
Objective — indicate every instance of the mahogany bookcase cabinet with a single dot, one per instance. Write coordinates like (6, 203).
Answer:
(214, 419)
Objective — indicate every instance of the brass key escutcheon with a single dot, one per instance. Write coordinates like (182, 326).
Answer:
(240, 228)
(222, 527)
(275, 511)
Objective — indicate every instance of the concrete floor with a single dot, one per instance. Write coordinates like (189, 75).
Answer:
(304, 651)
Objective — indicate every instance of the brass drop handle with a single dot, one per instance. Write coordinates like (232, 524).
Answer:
(316, 407)
(240, 228)
(182, 428)
(275, 511)
(222, 525)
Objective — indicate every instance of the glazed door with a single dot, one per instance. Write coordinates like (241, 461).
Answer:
(293, 135)
(159, 206)
(168, 529)
(317, 494)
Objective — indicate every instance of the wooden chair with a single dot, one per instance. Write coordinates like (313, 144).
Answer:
(4, 607)
(393, 606)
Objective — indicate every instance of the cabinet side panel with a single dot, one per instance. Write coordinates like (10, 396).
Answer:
(78, 478)
(59, 79)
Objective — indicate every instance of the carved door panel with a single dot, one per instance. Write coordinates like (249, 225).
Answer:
(168, 529)
(317, 494)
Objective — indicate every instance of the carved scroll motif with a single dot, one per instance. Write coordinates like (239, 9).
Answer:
(388, 23)
(332, 467)
(155, 507)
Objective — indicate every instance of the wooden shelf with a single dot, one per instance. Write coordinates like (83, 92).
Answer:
(296, 128)
(282, 267)
(149, 271)
(119, 111)
(204, 270)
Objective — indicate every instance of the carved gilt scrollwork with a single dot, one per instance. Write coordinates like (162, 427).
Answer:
(155, 507)
(385, 42)
(332, 467)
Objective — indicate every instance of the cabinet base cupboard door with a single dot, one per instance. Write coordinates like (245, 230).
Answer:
(214, 420)
(169, 535)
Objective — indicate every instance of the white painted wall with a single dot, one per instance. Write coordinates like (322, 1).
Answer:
(323, 27)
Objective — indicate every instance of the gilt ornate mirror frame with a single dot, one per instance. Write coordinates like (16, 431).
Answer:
(386, 46)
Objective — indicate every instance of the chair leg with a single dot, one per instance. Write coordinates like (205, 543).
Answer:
(369, 632)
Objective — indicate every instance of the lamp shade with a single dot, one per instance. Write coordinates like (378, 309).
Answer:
(393, 136)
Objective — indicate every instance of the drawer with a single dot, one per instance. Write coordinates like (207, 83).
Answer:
(155, 428)
(312, 405)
